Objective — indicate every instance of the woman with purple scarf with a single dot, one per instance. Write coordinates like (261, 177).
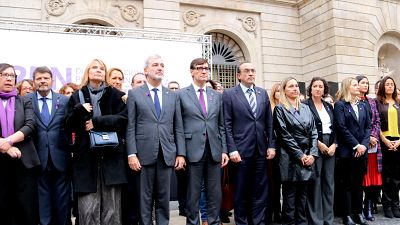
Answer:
(18, 157)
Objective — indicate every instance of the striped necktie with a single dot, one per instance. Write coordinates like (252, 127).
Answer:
(252, 101)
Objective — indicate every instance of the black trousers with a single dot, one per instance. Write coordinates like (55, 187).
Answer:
(353, 170)
(294, 203)
(18, 192)
(390, 176)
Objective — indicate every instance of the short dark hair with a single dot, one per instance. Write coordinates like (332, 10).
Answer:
(133, 78)
(173, 82)
(197, 61)
(326, 87)
(359, 78)
(42, 69)
(240, 64)
(4, 66)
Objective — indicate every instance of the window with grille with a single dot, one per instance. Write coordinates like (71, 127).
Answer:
(226, 54)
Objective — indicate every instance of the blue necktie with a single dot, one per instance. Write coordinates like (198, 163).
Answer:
(157, 105)
(252, 102)
(45, 112)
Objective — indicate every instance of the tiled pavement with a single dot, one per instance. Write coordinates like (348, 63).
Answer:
(380, 219)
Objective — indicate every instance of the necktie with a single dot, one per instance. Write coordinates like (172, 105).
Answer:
(157, 105)
(202, 102)
(45, 112)
(252, 102)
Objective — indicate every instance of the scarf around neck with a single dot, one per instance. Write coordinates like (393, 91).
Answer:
(7, 113)
(95, 96)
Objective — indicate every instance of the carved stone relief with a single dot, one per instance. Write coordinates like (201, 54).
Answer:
(249, 24)
(57, 7)
(191, 18)
(129, 13)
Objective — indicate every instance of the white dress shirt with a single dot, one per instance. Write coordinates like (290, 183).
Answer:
(159, 92)
(49, 101)
(196, 89)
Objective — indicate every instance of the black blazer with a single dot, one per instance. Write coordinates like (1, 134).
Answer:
(86, 162)
(318, 123)
(24, 121)
(351, 131)
(296, 137)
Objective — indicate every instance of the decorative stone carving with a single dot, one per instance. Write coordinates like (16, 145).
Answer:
(191, 18)
(57, 7)
(249, 24)
(129, 13)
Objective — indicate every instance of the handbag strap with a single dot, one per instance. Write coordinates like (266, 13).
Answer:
(81, 98)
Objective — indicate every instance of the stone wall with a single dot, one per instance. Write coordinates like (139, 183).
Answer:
(300, 38)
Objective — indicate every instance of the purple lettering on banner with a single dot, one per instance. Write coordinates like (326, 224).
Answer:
(57, 75)
(21, 71)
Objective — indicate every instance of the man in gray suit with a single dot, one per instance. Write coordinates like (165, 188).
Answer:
(54, 183)
(206, 150)
(155, 141)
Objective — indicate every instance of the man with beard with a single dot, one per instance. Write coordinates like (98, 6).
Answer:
(54, 182)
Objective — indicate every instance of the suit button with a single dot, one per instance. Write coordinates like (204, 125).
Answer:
(204, 134)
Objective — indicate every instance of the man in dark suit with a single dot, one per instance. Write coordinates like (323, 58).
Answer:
(250, 141)
(155, 141)
(206, 151)
(54, 182)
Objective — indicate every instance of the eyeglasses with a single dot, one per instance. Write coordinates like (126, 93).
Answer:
(5, 75)
(200, 68)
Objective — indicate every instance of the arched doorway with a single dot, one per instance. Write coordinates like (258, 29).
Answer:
(226, 54)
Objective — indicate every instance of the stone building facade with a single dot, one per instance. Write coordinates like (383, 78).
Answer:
(300, 38)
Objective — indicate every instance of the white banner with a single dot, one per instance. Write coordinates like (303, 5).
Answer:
(68, 54)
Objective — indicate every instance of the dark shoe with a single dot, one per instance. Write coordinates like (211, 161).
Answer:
(368, 211)
(359, 219)
(348, 221)
(396, 211)
(278, 218)
(229, 213)
(388, 212)
(225, 219)
(374, 208)
(182, 212)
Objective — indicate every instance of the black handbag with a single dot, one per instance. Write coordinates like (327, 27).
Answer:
(99, 140)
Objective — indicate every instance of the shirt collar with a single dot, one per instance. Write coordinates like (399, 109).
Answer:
(49, 96)
(159, 87)
(244, 88)
(196, 88)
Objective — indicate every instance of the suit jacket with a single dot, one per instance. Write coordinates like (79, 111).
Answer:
(24, 121)
(297, 137)
(244, 132)
(86, 162)
(145, 133)
(52, 139)
(197, 127)
(329, 109)
(350, 130)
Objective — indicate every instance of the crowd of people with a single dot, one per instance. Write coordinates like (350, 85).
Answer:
(327, 157)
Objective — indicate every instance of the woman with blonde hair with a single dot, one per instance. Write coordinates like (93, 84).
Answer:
(274, 95)
(353, 130)
(115, 78)
(297, 137)
(97, 174)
